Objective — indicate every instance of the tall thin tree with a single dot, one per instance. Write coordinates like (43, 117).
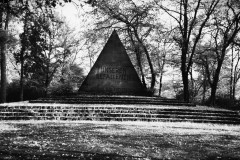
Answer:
(191, 18)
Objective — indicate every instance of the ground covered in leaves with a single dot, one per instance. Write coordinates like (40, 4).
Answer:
(118, 140)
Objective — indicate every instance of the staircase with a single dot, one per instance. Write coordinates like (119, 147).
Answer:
(106, 99)
(115, 109)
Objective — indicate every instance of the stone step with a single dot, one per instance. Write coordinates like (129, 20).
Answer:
(112, 102)
(110, 97)
(114, 109)
(173, 116)
(103, 99)
(76, 101)
(93, 118)
(116, 112)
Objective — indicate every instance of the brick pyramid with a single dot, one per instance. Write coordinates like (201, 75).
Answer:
(113, 73)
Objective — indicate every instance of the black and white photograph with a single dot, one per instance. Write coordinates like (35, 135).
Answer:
(119, 80)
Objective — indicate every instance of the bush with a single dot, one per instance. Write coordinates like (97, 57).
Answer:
(180, 95)
(61, 89)
(149, 92)
(13, 92)
(224, 102)
(31, 91)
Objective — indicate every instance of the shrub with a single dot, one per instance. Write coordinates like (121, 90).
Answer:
(180, 95)
(61, 89)
(31, 91)
(149, 92)
(225, 102)
(13, 92)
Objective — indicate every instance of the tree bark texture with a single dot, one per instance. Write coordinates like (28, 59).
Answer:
(215, 81)
(3, 62)
(138, 57)
(153, 81)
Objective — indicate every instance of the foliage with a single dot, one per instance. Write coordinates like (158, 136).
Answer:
(223, 32)
(71, 73)
(32, 91)
(223, 101)
(180, 94)
(46, 45)
(197, 37)
(11, 9)
(150, 92)
(3, 36)
(137, 22)
(67, 81)
(61, 89)
(191, 19)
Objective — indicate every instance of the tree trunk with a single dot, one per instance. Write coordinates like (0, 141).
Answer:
(47, 79)
(235, 80)
(21, 78)
(139, 62)
(138, 57)
(185, 52)
(161, 67)
(141, 70)
(204, 87)
(234, 92)
(3, 75)
(213, 94)
(3, 62)
(185, 86)
(153, 81)
(160, 84)
(235, 76)
(184, 74)
(23, 49)
(192, 89)
(231, 78)
(215, 82)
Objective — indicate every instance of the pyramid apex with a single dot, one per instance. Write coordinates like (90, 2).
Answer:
(114, 33)
(113, 72)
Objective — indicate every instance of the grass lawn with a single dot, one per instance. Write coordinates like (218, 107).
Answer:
(118, 140)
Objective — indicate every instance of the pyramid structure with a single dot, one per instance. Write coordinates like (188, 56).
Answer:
(113, 73)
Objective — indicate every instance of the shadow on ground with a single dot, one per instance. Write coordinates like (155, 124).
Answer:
(128, 140)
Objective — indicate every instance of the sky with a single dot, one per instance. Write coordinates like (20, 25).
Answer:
(70, 11)
(77, 20)
(73, 12)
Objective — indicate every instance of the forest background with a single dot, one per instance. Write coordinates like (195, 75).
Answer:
(184, 49)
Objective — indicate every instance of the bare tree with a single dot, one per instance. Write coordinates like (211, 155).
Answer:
(191, 18)
(235, 71)
(136, 22)
(224, 31)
